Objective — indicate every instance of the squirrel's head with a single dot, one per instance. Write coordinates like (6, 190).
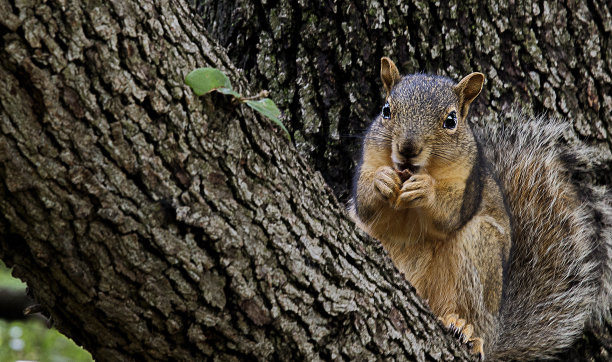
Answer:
(424, 117)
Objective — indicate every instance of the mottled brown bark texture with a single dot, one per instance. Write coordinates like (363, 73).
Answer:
(156, 225)
(321, 62)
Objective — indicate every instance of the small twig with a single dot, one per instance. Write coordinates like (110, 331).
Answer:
(34, 308)
(38, 311)
(262, 94)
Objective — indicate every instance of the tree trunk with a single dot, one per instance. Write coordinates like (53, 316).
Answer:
(321, 61)
(156, 225)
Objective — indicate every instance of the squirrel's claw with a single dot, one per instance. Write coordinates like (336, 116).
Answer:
(417, 191)
(476, 347)
(387, 182)
(463, 331)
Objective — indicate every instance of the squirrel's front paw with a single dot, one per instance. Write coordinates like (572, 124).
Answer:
(463, 331)
(387, 182)
(417, 191)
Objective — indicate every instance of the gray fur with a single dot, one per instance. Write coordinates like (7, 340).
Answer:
(560, 272)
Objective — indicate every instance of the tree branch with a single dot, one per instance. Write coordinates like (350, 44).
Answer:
(157, 225)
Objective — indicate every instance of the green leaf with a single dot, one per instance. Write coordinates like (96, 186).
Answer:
(205, 80)
(268, 108)
(229, 91)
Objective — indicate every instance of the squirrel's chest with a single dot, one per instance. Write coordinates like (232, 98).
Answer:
(399, 228)
(432, 267)
(446, 271)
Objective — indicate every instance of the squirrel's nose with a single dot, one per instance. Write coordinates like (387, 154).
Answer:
(409, 149)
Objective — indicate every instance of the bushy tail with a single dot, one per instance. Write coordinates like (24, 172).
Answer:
(560, 269)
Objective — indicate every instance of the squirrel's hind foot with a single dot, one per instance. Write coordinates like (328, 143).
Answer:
(463, 331)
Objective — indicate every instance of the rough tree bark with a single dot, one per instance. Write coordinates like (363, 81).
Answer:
(156, 225)
(321, 61)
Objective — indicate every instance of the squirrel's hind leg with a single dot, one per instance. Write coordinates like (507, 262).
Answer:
(463, 331)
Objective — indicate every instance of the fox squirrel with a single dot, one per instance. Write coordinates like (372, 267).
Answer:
(491, 225)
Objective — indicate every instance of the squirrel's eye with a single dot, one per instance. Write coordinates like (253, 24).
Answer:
(451, 121)
(386, 112)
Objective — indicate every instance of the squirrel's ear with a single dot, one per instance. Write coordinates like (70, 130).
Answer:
(468, 89)
(388, 73)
